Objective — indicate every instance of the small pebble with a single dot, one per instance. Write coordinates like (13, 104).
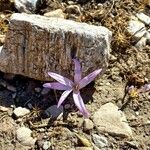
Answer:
(19, 120)
(45, 91)
(46, 145)
(70, 2)
(143, 18)
(56, 13)
(24, 136)
(100, 141)
(73, 9)
(20, 111)
(3, 109)
(30, 106)
(27, 6)
(88, 125)
(136, 29)
(2, 39)
(53, 111)
(141, 43)
(14, 95)
(133, 144)
(67, 106)
(38, 90)
(11, 88)
(137, 113)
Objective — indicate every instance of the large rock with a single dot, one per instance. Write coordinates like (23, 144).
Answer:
(35, 45)
(111, 120)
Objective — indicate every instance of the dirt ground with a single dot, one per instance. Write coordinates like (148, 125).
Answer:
(127, 66)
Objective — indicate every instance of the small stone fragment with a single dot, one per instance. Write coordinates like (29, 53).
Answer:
(100, 141)
(141, 43)
(73, 9)
(2, 39)
(46, 145)
(3, 109)
(45, 91)
(136, 28)
(24, 136)
(53, 111)
(30, 106)
(20, 111)
(111, 120)
(56, 13)
(133, 144)
(11, 88)
(38, 90)
(88, 125)
(27, 6)
(143, 18)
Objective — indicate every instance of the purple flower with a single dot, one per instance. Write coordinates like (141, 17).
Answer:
(132, 90)
(69, 86)
(144, 88)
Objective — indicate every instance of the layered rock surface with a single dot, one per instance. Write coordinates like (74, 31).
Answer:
(35, 45)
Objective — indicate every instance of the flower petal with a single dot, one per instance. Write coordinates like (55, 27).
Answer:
(144, 88)
(63, 97)
(89, 78)
(56, 85)
(77, 71)
(80, 104)
(61, 79)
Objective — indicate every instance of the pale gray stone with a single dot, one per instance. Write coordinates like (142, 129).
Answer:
(36, 44)
(27, 6)
(19, 112)
(100, 141)
(56, 13)
(143, 18)
(111, 120)
(87, 125)
(3, 109)
(141, 43)
(45, 91)
(136, 28)
(24, 136)
(46, 145)
(53, 111)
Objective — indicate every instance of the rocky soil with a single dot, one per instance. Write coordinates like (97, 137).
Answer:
(120, 118)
